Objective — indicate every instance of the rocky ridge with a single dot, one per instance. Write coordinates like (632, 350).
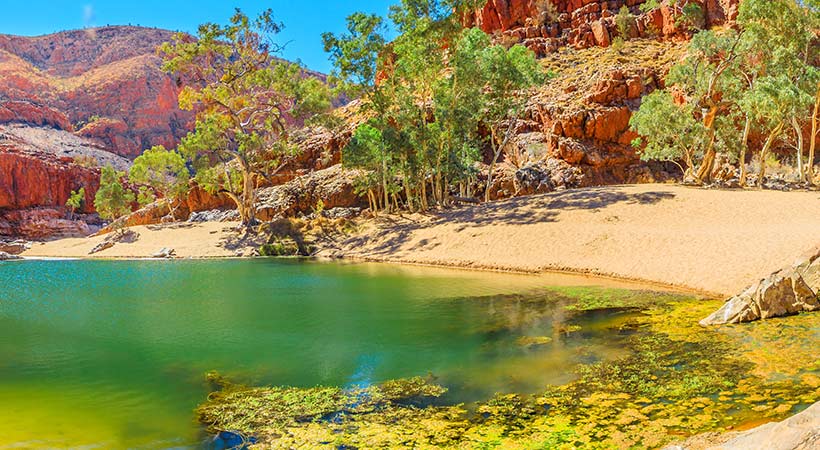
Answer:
(546, 26)
(110, 75)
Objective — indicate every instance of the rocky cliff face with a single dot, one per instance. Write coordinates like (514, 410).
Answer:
(548, 25)
(106, 84)
(576, 129)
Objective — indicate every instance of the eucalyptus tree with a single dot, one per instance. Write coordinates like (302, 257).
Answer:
(428, 93)
(75, 201)
(709, 78)
(508, 72)
(160, 171)
(112, 200)
(247, 101)
(358, 57)
(781, 41)
(673, 133)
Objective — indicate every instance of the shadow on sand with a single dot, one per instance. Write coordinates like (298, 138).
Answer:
(529, 210)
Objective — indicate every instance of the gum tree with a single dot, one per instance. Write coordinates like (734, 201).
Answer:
(160, 171)
(508, 72)
(247, 102)
(673, 133)
(112, 200)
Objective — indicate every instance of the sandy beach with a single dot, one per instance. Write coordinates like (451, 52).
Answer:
(712, 241)
(189, 240)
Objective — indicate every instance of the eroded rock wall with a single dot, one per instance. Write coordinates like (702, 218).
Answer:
(547, 25)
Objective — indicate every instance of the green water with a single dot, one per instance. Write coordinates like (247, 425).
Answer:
(101, 354)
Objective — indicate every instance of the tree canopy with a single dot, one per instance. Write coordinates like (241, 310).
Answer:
(433, 96)
(247, 100)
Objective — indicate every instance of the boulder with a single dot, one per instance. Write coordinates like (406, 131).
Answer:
(789, 291)
(799, 432)
(14, 247)
(8, 257)
(104, 245)
(164, 253)
(333, 187)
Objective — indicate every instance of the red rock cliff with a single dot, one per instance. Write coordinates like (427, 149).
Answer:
(110, 75)
(582, 23)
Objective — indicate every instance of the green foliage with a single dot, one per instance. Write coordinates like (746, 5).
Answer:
(287, 247)
(75, 201)
(757, 78)
(113, 200)
(670, 130)
(161, 171)
(247, 101)
(438, 87)
(355, 54)
(624, 21)
(690, 15)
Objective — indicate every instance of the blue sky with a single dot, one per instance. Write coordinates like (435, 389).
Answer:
(305, 20)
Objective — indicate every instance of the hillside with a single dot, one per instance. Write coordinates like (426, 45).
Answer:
(106, 84)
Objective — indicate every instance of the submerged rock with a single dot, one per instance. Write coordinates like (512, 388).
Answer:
(790, 291)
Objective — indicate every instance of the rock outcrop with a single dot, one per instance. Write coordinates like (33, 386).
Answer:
(789, 291)
(548, 25)
(334, 187)
(30, 180)
(44, 223)
(799, 432)
(8, 257)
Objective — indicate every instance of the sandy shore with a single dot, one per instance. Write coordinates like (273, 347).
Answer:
(713, 241)
(200, 240)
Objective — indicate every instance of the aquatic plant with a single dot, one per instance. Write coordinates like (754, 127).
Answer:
(675, 379)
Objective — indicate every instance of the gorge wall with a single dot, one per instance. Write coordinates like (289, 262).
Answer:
(576, 128)
(72, 100)
(106, 84)
(547, 25)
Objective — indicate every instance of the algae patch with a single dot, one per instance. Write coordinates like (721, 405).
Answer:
(674, 379)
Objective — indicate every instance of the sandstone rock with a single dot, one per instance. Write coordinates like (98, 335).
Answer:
(29, 180)
(115, 75)
(600, 33)
(104, 245)
(799, 432)
(583, 23)
(165, 253)
(808, 266)
(214, 215)
(780, 294)
(124, 236)
(334, 187)
(14, 247)
(42, 223)
(8, 257)
(33, 114)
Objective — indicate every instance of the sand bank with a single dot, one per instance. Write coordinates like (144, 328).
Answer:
(714, 241)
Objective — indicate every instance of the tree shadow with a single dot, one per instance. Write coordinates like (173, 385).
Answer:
(545, 208)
